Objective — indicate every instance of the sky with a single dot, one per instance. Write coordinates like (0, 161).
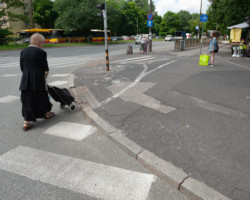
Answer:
(193, 6)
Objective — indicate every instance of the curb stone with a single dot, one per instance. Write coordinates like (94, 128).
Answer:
(163, 169)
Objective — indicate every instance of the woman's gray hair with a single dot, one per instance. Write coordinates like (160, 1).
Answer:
(37, 39)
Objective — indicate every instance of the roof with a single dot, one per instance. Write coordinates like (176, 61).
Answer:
(242, 25)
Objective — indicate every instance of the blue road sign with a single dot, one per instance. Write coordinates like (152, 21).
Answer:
(203, 18)
(150, 23)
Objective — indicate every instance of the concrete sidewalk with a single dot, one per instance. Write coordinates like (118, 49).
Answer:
(92, 87)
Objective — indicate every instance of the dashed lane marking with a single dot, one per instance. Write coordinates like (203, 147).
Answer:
(70, 130)
(92, 179)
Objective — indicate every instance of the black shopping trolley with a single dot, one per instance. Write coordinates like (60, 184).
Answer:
(63, 96)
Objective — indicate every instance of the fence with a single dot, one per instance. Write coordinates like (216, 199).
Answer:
(190, 43)
(18, 41)
(8, 41)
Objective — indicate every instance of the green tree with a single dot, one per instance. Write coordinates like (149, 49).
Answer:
(156, 24)
(6, 15)
(43, 14)
(184, 17)
(224, 13)
(133, 18)
(77, 16)
(169, 24)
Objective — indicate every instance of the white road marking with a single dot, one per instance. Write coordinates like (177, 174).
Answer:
(131, 59)
(59, 75)
(140, 97)
(56, 83)
(137, 80)
(60, 62)
(70, 130)
(10, 75)
(141, 60)
(8, 99)
(92, 179)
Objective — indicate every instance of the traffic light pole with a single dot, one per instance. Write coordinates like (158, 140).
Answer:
(104, 12)
(103, 7)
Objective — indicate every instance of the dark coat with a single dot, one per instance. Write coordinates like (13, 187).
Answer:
(33, 64)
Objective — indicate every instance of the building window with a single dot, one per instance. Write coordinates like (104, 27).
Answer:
(26, 6)
(26, 14)
(3, 23)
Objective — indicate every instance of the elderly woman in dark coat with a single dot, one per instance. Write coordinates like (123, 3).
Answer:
(34, 95)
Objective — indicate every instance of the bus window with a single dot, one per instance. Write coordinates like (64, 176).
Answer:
(180, 35)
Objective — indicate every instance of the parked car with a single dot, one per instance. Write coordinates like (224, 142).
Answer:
(168, 38)
(114, 38)
(138, 40)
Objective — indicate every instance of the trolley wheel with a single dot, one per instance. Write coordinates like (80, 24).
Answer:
(72, 106)
(62, 106)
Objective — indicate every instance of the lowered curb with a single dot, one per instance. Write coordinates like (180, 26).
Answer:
(165, 170)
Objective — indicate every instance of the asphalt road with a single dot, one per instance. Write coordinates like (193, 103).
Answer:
(194, 116)
(66, 157)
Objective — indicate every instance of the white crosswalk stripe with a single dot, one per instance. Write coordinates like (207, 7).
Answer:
(85, 177)
(8, 99)
(70, 130)
(134, 60)
(58, 62)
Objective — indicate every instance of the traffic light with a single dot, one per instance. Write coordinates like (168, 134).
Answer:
(101, 7)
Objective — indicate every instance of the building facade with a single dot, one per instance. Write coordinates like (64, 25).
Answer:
(16, 26)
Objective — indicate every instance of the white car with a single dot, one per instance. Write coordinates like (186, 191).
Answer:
(168, 38)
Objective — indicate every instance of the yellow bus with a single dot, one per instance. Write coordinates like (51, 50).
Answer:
(47, 33)
(97, 35)
(56, 36)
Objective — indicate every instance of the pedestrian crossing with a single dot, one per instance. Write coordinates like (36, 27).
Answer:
(54, 63)
(88, 178)
(84, 177)
(134, 60)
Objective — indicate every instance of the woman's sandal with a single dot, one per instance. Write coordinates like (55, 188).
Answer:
(49, 115)
(27, 126)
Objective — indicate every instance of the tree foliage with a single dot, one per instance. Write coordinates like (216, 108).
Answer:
(169, 24)
(225, 13)
(77, 16)
(43, 14)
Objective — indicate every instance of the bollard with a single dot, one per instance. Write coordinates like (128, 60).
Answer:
(129, 50)
(182, 45)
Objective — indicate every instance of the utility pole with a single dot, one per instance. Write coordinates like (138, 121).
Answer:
(199, 21)
(150, 31)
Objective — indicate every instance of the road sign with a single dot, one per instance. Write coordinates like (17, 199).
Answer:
(203, 18)
(150, 16)
(150, 23)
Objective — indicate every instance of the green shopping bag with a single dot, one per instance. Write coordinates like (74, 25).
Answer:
(204, 59)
